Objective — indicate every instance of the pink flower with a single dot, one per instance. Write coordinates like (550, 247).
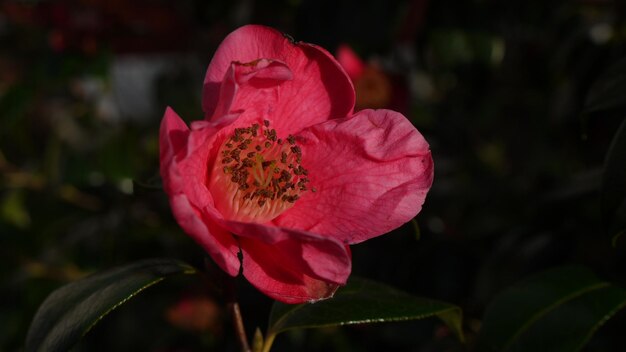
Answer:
(375, 87)
(280, 171)
(195, 314)
(350, 61)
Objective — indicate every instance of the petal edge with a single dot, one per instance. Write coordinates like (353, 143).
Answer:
(372, 173)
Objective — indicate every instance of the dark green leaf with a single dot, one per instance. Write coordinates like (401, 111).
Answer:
(607, 93)
(360, 302)
(570, 326)
(614, 183)
(519, 307)
(72, 310)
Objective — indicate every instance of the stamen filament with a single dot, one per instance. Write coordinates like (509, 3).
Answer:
(260, 174)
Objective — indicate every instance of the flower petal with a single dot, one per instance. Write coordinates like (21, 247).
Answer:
(371, 173)
(247, 88)
(216, 241)
(289, 265)
(319, 90)
(183, 156)
(173, 137)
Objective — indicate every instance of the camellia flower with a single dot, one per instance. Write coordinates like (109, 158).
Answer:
(375, 86)
(372, 85)
(280, 176)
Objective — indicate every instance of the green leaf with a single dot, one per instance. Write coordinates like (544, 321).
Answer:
(607, 93)
(528, 310)
(359, 302)
(571, 325)
(72, 310)
(614, 183)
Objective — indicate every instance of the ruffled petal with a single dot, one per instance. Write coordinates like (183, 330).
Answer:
(183, 156)
(247, 92)
(371, 173)
(289, 265)
(319, 89)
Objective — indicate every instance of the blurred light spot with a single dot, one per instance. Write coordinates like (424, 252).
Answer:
(134, 80)
(373, 89)
(38, 269)
(126, 186)
(601, 33)
(13, 210)
(423, 87)
(195, 314)
(497, 51)
(73, 195)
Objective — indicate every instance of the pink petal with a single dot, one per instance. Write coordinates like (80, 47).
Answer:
(216, 241)
(248, 89)
(173, 137)
(289, 265)
(371, 173)
(319, 90)
(183, 156)
(350, 61)
(263, 73)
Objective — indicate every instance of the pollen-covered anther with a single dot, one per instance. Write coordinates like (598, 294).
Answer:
(257, 175)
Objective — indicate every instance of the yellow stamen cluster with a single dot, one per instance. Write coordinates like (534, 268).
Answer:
(265, 172)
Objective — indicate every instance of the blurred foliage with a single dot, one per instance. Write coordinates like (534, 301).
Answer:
(499, 89)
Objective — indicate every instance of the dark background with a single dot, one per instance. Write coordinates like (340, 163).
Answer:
(498, 88)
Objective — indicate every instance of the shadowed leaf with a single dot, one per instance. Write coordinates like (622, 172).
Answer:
(360, 302)
(72, 310)
(614, 184)
(561, 307)
(571, 325)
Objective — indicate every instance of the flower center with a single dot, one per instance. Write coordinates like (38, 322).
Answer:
(257, 175)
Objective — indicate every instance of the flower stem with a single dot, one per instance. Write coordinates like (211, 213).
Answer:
(240, 330)
(269, 340)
